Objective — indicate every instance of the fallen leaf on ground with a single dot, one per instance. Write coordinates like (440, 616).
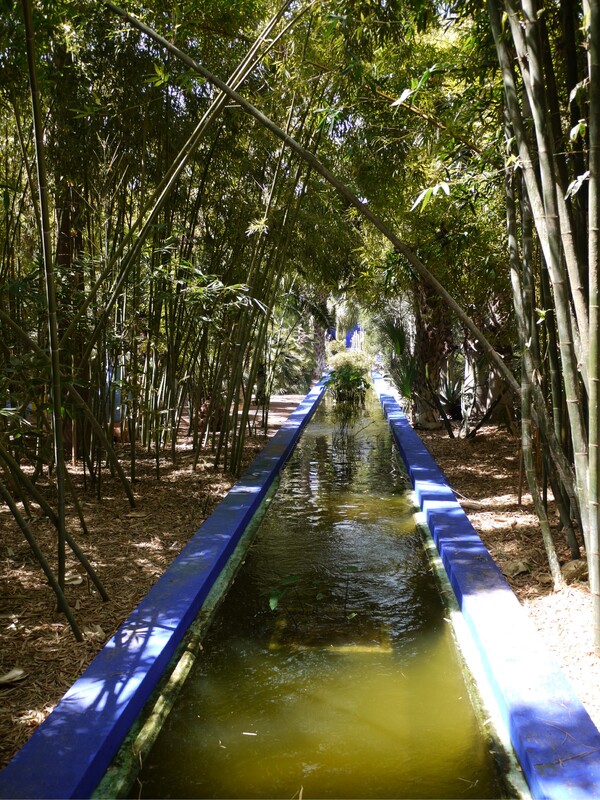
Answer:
(12, 676)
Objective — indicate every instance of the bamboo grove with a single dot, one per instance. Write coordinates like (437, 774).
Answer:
(186, 190)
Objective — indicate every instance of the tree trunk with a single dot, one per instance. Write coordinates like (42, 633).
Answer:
(432, 334)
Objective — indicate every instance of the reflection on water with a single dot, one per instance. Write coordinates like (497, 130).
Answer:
(330, 670)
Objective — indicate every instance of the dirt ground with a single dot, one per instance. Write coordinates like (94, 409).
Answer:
(130, 548)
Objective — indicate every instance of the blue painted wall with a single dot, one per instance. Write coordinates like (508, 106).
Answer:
(70, 752)
(553, 736)
(350, 334)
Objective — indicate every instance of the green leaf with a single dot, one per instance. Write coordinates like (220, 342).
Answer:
(161, 76)
(403, 97)
(86, 111)
(427, 194)
(578, 130)
(423, 198)
(258, 225)
(275, 597)
(578, 90)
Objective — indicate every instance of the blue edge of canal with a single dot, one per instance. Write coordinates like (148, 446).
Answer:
(555, 740)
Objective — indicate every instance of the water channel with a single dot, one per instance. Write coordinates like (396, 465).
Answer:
(330, 669)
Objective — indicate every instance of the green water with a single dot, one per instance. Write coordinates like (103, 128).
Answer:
(330, 671)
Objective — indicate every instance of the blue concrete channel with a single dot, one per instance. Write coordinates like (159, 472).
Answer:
(556, 742)
(70, 752)
(553, 737)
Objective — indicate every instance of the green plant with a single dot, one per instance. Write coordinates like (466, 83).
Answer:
(348, 380)
(335, 346)
(276, 592)
(404, 372)
(294, 587)
(451, 394)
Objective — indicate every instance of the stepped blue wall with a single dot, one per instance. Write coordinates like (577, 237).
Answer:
(552, 734)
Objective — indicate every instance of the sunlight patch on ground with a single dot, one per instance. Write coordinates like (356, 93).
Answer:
(154, 544)
(489, 521)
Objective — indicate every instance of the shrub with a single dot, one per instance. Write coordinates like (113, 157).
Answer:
(348, 379)
(335, 346)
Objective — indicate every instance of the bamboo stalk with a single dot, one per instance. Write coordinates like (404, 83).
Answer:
(401, 246)
(529, 48)
(526, 444)
(593, 542)
(99, 430)
(145, 221)
(56, 587)
(39, 498)
(51, 303)
(545, 214)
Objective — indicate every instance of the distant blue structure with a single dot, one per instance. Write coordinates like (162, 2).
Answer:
(355, 331)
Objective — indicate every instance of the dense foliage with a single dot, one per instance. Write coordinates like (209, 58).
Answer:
(348, 377)
(166, 260)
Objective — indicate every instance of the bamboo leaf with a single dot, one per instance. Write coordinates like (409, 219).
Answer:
(275, 597)
(576, 185)
(423, 198)
(578, 130)
(258, 225)
(578, 90)
(12, 676)
(403, 97)
(161, 76)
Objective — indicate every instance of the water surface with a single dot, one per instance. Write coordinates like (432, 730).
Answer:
(330, 670)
